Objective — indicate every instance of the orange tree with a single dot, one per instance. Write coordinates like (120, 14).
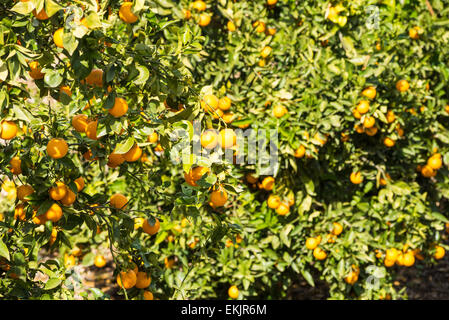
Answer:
(355, 91)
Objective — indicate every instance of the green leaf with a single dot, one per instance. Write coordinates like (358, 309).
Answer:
(306, 274)
(52, 283)
(124, 147)
(52, 79)
(23, 7)
(4, 250)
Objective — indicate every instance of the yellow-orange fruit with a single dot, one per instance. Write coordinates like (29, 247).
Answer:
(119, 201)
(57, 148)
(133, 154)
(151, 229)
(80, 122)
(126, 279)
(143, 280)
(8, 130)
(227, 138)
(119, 109)
(126, 13)
(54, 213)
(59, 191)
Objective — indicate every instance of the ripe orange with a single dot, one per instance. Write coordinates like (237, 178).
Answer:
(53, 236)
(209, 139)
(8, 130)
(371, 131)
(58, 36)
(279, 111)
(119, 201)
(35, 71)
(115, 159)
(300, 152)
(95, 78)
(271, 2)
(231, 26)
(273, 201)
(79, 182)
(23, 191)
(224, 103)
(369, 122)
(427, 171)
(338, 228)
(54, 213)
(414, 33)
(209, 103)
(16, 165)
(58, 192)
(319, 253)
(133, 154)
(312, 243)
(250, 178)
(69, 198)
(218, 197)
(283, 209)
(266, 51)
(268, 183)
(199, 172)
(127, 279)
(363, 107)
(389, 263)
(435, 162)
(260, 26)
(199, 5)
(388, 142)
(143, 280)
(402, 85)
(356, 113)
(126, 14)
(227, 138)
(41, 15)
(99, 261)
(119, 109)
(356, 177)
(80, 122)
(147, 295)
(19, 212)
(153, 138)
(391, 116)
(439, 252)
(204, 19)
(408, 259)
(151, 229)
(369, 92)
(233, 292)
(57, 148)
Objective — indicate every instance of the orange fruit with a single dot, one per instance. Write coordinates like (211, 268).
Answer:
(363, 106)
(356, 177)
(58, 36)
(80, 122)
(273, 201)
(8, 130)
(65, 90)
(35, 71)
(435, 162)
(371, 131)
(143, 280)
(151, 229)
(250, 178)
(79, 182)
(388, 142)
(402, 85)
(356, 113)
(126, 14)
(147, 295)
(414, 33)
(95, 78)
(233, 292)
(312, 243)
(199, 5)
(54, 213)
(231, 26)
(260, 26)
(53, 236)
(319, 253)
(115, 159)
(59, 191)
(23, 191)
(204, 19)
(390, 116)
(19, 212)
(16, 165)
(127, 279)
(300, 152)
(279, 111)
(283, 209)
(272, 2)
(369, 92)
(119, 201)
(218, 197)
(99, 261)
(389, 263)
(187, 14)
(119, 109)
(209, 139)
(408, 259)
(153, 138)
(69, 261)
(439, 252)
(427, 171)
(266, 51)
(369, 122)
(227, 138)
(209, 103)
(228, 117)
(224, 103)
(41, 15)
(57, 148)
(338, 228)
(268, 183)
(133, 154)
(199, 172)
(69, 198)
